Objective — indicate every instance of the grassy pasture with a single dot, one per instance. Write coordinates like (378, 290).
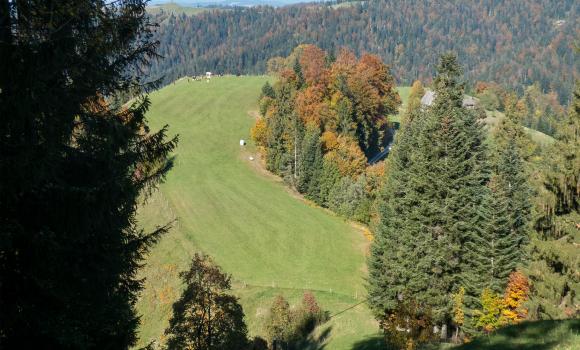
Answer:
(271, 241)
(493, 119)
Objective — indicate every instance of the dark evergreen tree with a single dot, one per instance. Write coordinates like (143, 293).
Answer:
(73, 164)
(513, 186)
(511, 129)
(310, 163)
(346, 123)
(435, 187)
(499, 246)
(490, 254)
(268, 91)
(277, 157)
(299, 76)
(330, 177)
(553, 267)
(398, 247)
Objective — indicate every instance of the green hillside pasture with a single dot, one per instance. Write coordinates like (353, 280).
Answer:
(270, 240)
(493, 118)
(404, 94)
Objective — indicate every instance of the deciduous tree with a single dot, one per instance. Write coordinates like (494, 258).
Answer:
(206, 317)
(415, 94)
(490, 316)
(516, 294)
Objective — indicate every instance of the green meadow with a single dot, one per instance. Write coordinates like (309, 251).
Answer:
(224, 204)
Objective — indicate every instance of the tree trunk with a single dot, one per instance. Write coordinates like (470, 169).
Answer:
(443, 332)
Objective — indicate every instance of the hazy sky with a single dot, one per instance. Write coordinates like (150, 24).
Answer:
(244, 2)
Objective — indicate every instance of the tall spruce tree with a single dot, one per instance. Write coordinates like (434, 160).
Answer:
(498, 247)
(484, 252)
(299, 75)
(310, 164)
(278, 141)
(513, 186)
(510, 129)
(72, 166)
(434, 190)
(553, 270)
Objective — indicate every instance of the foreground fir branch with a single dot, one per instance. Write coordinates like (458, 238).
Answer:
(73, 164)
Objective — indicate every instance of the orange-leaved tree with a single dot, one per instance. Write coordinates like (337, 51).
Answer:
(516, 294)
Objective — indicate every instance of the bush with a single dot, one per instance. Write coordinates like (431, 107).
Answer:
(290, 329)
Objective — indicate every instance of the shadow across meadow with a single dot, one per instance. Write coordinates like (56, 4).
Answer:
(539, 335)
(376, 342)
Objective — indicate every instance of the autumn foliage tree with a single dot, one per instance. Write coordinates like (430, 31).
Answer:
(322, 120)
(313, 63)
(415, 94)
(489, 318)
(458, 311)
(289, 328)
(278, 325)
(516, 294)
(407, 326)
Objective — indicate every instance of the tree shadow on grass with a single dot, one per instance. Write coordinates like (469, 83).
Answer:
(314, 342)
(539, 335)
(376, 342)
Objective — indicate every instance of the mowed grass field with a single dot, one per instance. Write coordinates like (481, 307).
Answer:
(225, 205)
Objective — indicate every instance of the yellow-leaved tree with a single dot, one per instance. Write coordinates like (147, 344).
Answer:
(458, 313)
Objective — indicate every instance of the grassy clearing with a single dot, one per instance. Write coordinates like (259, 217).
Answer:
(493, 118)
(175, 9)
(344, 4)
(270, 241)
(404, 92)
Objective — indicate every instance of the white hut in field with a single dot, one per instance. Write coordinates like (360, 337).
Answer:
(242, 142)
(468, 102)
(427, 99)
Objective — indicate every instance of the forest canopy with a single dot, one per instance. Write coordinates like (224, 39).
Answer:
(513, 43)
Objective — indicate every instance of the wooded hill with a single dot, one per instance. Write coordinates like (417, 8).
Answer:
(512, 43)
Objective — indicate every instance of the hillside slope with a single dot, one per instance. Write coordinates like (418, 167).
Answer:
(269, 240)
(509, 42)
